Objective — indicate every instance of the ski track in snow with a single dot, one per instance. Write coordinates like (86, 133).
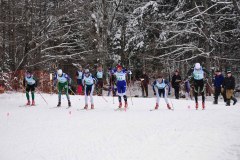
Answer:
(41, 133)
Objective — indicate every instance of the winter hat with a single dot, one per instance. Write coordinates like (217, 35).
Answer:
(86, 71)
(229, 71)
(59, 72)
(197, 66)
(119, 67)
(29, 72)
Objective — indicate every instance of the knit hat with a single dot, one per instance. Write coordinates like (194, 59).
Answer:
(197, 66)
(59, 72)
(119, 67)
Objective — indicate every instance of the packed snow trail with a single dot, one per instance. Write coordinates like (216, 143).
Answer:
(39, 133)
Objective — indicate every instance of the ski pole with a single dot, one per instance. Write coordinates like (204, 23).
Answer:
(42, 96)
(130, 91)
(111, 87)
(171, 103)
(102, 96)
(72, 91)
(113, 93)
(210, 85)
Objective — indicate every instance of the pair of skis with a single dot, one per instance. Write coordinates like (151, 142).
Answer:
(158, 109)
(60, 107)
(121, 109)
(28, 105)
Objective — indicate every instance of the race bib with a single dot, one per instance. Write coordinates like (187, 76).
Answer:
(121, 76)
(30, 81)
(99, 74)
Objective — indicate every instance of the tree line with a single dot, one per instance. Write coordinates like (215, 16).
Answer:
(139, 34)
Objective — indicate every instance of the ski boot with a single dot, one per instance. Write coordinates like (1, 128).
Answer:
(203, 105)
(59, 104)
(234, 100)
(196, 106)
(28, 103)
(228, 103)
(86, 107)
(156, 107)
(33, 103)
(120, 105)
(92, 106)
(168, 106)
(126, 105)
(69, 104)
(215, 102)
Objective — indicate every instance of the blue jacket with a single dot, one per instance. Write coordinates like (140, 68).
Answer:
(218, 80)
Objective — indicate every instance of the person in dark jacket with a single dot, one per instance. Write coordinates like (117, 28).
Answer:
(176, 80)
(229, 86)
(144, 84)
(218, 81)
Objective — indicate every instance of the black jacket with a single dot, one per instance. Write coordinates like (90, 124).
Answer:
(229, 83)
(176, 80)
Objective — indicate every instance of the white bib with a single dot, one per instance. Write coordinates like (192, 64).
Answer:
(99, 74)
(30, 81)
(62, 79)
(120, 76)
(161, 85)
(88, 80)
(80, 75)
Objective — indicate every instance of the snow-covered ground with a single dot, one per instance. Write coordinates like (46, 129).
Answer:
(46, 133)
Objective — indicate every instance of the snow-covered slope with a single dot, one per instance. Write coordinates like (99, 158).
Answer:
(46, 133)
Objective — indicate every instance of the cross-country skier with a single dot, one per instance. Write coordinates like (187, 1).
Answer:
(63, 81)
(79, 75)
(198, 81)
(30, 83)
(88, 82)
(121, 77)
(100, 77)
(161, 85)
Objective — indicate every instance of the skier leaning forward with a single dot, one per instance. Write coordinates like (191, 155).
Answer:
(30, 83)
(88, 82)
(198, 81)
(63, 81)
(161, 85)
